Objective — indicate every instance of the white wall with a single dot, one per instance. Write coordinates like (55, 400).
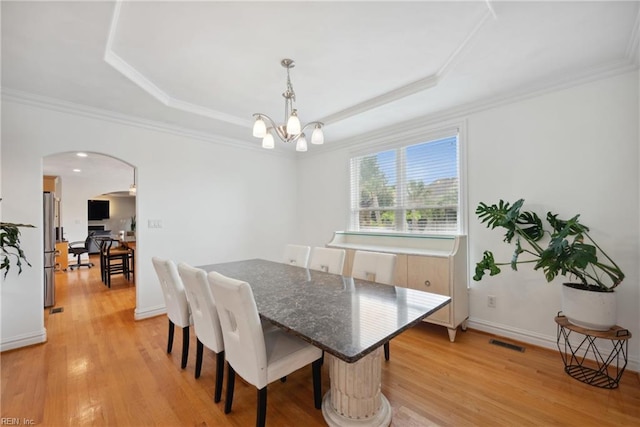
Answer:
(215, 202)
(571, 151)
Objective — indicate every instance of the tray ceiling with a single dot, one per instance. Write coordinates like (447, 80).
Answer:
(360, 66)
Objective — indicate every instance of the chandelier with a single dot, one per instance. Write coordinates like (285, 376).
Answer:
(264, 126)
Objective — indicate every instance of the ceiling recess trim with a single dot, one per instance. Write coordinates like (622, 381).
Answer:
(151, 88)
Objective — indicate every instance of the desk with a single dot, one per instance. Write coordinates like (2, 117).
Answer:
(62, 256)
(349, 319)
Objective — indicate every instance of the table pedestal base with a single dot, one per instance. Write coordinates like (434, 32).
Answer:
(355, 398)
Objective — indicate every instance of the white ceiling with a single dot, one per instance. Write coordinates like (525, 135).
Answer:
(360, 66)
(93, 167)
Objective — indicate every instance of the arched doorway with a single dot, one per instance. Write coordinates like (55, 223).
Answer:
(75, 178)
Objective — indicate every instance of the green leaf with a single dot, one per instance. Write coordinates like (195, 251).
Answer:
(10, 246)
(488, 263)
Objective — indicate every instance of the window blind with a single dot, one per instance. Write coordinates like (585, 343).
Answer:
(411, 189)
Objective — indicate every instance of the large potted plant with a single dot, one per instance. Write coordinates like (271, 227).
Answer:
(588, 299)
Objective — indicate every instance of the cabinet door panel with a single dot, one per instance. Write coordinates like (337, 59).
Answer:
(400, 278)
(431, 274)
(348, 262)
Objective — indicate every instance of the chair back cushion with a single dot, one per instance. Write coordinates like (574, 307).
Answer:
(297, 255)
(241, 329)
(327, 259)
(175, 297)
(374, 266)
(203, 308)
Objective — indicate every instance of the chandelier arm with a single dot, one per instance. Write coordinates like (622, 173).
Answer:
(293, 138)
(264, 116)
(271, 124)
(320, 124)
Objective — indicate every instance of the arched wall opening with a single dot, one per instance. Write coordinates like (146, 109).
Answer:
(75, 178)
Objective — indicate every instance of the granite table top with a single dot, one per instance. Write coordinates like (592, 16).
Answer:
(346, 317)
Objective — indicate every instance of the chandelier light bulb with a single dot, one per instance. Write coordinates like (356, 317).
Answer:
(267, 142)
(293, 124)
(317, 137)
(301, 145)
(259, 128)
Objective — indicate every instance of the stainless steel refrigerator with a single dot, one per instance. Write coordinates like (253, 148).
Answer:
(48, 203)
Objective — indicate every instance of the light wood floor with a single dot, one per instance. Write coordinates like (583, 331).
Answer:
(102, 368)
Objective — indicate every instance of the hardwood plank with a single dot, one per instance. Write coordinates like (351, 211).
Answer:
(102, 368)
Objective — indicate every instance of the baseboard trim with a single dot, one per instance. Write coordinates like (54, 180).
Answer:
(24, 340)
(540, 340)
(139, 314)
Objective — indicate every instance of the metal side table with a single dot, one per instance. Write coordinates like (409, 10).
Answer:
(605, 365)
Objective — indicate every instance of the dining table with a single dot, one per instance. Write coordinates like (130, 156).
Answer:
(350, 319)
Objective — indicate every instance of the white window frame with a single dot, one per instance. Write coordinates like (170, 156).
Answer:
(417, 136)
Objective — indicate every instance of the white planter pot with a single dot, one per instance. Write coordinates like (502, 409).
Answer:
(589, 309)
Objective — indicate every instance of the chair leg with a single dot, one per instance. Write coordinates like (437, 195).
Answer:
(261, 417)
(231, 379)
(317, 383)
(185, 346)
(170, 341)
(133, 266)
(199, 350)
(386, 351)
(219, 376)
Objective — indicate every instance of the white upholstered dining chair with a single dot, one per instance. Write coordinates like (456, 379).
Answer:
(175, 299)
(259, 357)
(296, 255)
(205, 320)
(375, 267)
(329, 260)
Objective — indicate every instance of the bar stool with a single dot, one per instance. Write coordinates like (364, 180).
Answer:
(115, 259)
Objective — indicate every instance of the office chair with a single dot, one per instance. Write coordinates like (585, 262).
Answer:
(78, 248)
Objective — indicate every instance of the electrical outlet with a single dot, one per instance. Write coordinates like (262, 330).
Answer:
(491, 301)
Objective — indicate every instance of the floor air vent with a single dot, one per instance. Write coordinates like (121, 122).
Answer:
(56, 310)
(507, 345)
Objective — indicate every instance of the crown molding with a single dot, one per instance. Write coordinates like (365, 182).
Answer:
(413, 126)
(459, 113)
(53, 104)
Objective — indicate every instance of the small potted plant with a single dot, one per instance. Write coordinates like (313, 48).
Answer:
(588, 300)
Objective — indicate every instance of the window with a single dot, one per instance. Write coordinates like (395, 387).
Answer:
(409, 189)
